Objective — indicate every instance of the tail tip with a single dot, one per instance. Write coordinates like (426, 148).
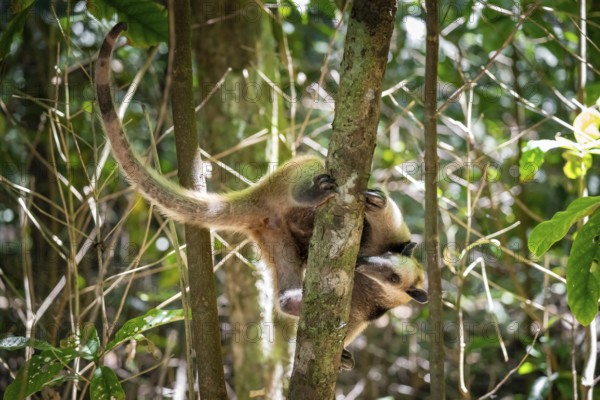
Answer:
(119, 27)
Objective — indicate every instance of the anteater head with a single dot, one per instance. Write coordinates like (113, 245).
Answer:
(398, 277)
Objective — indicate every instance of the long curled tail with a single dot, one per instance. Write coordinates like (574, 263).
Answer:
(175, 202)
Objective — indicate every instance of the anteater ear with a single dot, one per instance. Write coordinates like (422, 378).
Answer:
(408, 249)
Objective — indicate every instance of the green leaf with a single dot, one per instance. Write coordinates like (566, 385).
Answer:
(87, 106)
(576, 165)
(146, 20)
(20, 342)
(106, 385)
(40, 371)
(86, 343)
(90, 343)
(549, 232)
(86, 346)
(527, 368)
(583, 272)
(530, 163)
(151, 319)
(572, 37)
(15, 26)
(532, 157)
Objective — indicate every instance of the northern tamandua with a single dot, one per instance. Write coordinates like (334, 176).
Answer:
(278, 213)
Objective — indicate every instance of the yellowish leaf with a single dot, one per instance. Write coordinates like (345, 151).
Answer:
(586, 126)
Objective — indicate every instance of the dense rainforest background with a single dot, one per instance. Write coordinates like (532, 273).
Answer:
(95, 274)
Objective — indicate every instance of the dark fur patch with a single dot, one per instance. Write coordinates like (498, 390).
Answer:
(104, 101)
(366, 233)
(300, 224)
(106, 49)
(404, 248)
(376, 312)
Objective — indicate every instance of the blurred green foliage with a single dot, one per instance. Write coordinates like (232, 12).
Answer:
(52, 146)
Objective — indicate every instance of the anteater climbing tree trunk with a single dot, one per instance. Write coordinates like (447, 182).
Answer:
(338, 225)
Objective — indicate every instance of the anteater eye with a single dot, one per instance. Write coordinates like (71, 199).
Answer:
(395, 278)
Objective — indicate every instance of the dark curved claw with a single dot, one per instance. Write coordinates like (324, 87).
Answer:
(325, 183)
(347, 361)
(375, 198)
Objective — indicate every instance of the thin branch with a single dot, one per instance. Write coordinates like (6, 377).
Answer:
(432, 247)
(512, 371)
(205, 322)
(491, 61)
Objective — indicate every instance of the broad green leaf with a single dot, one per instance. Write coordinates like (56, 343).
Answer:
(90, 342)
(151, 319)
(549, 232)
(20, 342)
(87, 345)
(583, 272)
(532, 157)
(530, 163)
(106, 385)
(15, 26)
(146, 20)
(576, 165)
(40, 371)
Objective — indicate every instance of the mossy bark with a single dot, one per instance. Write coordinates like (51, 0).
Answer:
(338, 225)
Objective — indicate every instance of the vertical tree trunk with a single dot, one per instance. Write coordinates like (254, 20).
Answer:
(236, 110)
(338, 225)
(431, 206)
(203, 298)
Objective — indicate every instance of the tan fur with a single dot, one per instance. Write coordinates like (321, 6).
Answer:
(277, 212)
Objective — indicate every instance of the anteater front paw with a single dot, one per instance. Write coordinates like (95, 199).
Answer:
(347, 360)
(325, 183)
(375, 199)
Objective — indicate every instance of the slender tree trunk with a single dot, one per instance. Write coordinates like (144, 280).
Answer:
(338, 225)
(203, 297)
(236, 109)
(436, 360)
